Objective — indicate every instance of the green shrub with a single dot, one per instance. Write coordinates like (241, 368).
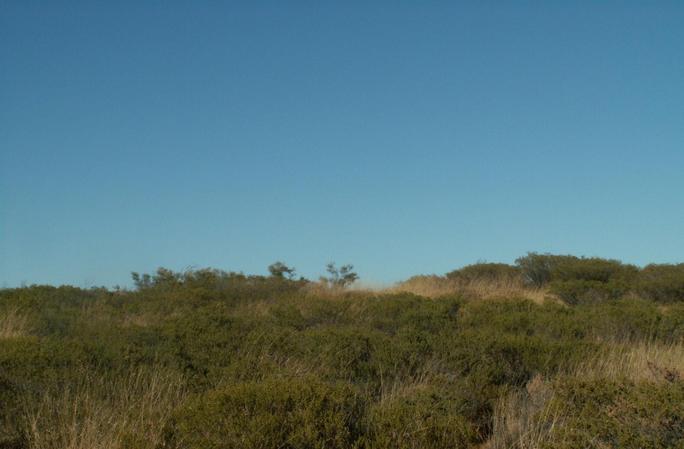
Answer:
(627, 320)
(389, 313)
(486, 272)
(663, 283)
(11, 435)
(287, 414)
(541, 269)
(586, 291)
(207, 285)
(422, 417)
(537, 269)
(620, 415)
(342, 354)
(592, 269)
(203, 342)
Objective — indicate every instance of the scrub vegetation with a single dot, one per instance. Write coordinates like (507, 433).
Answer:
(551, 352)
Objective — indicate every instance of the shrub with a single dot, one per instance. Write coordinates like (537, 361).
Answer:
(541, 269)
(339, 278)
(537, 269)
(664, 283)
(583, 291)
(421, 417)
(202, 343)
(389, 313)
(628, 320)
(619, 415)
(280, 270)
(592, 269)
(486, 272)
(210, 284)
(288, 414)
(10, 416)
(341, 354)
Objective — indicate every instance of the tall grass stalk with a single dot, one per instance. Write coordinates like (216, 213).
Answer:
(110, 412)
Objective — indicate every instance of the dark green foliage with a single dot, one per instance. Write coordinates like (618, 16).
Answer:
(486, 272)
(423, 417)
(579, 279)
(289, 414)
(214, 284)
(280, 270)
(664, 283)
(578, 291)
(541, 269)
(619, 415)
(537, 269)
(594, 269)
(339, 278)
(10, 408)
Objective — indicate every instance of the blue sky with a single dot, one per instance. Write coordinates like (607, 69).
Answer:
(402, 137)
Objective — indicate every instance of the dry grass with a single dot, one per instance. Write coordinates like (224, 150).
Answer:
(13, 324)
(523, 420)
(405, 385)
(435, 286)
(635, 361)
(527, 419)
(320, 290)
(105, 413)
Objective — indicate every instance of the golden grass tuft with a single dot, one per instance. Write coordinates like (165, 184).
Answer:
(405, 385)
(433, 286)
(114, 412)
(649, 361)
(13, 324)
(523, 419)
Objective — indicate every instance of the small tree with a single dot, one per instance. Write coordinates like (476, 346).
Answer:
(339, 278)
(280, 270)
(163, 278)
(141, 282)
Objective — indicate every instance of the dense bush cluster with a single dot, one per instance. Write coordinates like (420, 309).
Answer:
(288, 413)
(571, 279)
(578, 279)
(269, 362)
(485, 272)
(616, 415)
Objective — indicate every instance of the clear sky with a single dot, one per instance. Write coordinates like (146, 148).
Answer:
(402, 137)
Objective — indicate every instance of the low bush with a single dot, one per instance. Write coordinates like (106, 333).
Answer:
(11, 435)
(592, 269)
(542, 269)
(287, 414)
(486, 272)
(587, 291)
(537, 269)
(663, 283)
(618, 415)
(422, 417)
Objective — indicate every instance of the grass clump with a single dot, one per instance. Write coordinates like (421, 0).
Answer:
(114, 411)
